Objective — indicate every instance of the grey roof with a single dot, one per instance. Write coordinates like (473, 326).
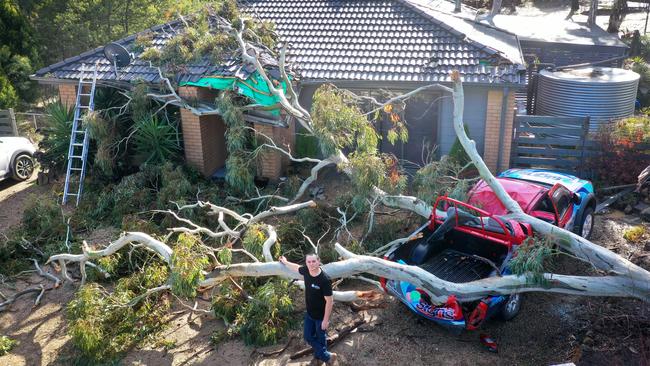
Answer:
(382, 40)
(365, 40)
(140, 70)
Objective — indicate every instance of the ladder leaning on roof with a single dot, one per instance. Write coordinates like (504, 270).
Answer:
(79, 139)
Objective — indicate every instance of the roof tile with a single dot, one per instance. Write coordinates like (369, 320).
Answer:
(334, 39)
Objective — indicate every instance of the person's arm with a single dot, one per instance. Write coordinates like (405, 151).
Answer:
(329, 304)
(292, 266)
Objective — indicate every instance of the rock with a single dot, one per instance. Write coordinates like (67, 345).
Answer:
(628, 209)
(645, 214)
(588, 341)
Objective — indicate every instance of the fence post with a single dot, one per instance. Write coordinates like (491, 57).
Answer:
(585, 133)
(12, 120)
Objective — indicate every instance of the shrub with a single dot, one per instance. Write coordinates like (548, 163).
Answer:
(439, 178)
(6, 344)
(155, 141)
(530, 259)
(187, 263)
(457, 154)
(56, 137)
(634, 234)
(262, 320)
(624, 151)
(103, 326)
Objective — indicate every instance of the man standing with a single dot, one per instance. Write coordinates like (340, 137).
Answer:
(319, 301)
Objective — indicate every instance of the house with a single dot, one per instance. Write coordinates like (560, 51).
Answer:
(362, 45)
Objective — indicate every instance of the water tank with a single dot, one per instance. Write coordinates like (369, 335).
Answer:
(602, 93)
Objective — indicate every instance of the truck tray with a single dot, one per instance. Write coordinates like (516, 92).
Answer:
(454, 266)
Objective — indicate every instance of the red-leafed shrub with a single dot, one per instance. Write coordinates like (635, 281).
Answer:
(623, 151)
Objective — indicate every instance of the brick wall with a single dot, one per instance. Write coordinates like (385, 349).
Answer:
(203, 136)
(68, 94)
(492, 149)
(272, 164)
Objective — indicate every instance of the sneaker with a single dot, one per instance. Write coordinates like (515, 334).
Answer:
(333, 358)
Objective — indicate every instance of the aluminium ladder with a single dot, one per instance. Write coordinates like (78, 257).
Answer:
(79, 139)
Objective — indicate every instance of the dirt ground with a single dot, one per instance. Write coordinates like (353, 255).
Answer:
(13, 196)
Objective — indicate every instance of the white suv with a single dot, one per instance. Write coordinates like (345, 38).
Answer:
(16, 158)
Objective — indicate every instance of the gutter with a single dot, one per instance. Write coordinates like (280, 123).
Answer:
(504, 105)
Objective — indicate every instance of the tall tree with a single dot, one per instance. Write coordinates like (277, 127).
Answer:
(18, 53)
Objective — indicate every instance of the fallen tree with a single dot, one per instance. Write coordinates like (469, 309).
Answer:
(339, 125)
(623, 278)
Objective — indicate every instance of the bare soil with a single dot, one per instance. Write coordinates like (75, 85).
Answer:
(13, 196)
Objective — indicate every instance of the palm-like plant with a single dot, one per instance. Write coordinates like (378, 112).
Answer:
(155, 141)
(56, 137)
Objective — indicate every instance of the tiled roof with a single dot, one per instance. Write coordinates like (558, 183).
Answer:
(139, 70)
(385, 40)
(365, 40)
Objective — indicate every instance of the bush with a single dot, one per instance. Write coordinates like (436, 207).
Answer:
(634, 234)
(188, 262)
(155, 141)
(6, 344)
(262, 320)
(624, 151)
(457, 154)
(56, 137)
(438, 178)
(103, 326)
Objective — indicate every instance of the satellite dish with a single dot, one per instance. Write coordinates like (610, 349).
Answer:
(117, 55)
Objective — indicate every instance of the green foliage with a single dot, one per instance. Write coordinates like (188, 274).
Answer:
(634, 234)
(201, 40)
(133, 194)
(17, 52)
(457, 154)
(188, 262)
(439, 178)
(306, 146)
(340, 124)
(174, 186)
(8, 96)
(6, 344)
(371, 170)
(156, 141)
(56, 136)
(103, 326)
(253, 241)
(262, 320)
(530, 260)
(42, 233)
(383, 233)
(240, 173)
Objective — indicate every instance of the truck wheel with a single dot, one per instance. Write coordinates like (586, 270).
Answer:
(511, 307)
(23, 167)
(586, 223)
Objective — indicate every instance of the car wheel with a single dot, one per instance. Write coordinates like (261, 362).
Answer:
(23, 167)
(511, 307)
(587, 223)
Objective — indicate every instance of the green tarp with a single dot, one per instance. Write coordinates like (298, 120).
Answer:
(254, 87)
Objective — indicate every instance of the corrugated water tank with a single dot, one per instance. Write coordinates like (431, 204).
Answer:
(603, 93)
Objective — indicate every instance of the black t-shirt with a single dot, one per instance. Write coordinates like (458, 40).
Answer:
(316, 288)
